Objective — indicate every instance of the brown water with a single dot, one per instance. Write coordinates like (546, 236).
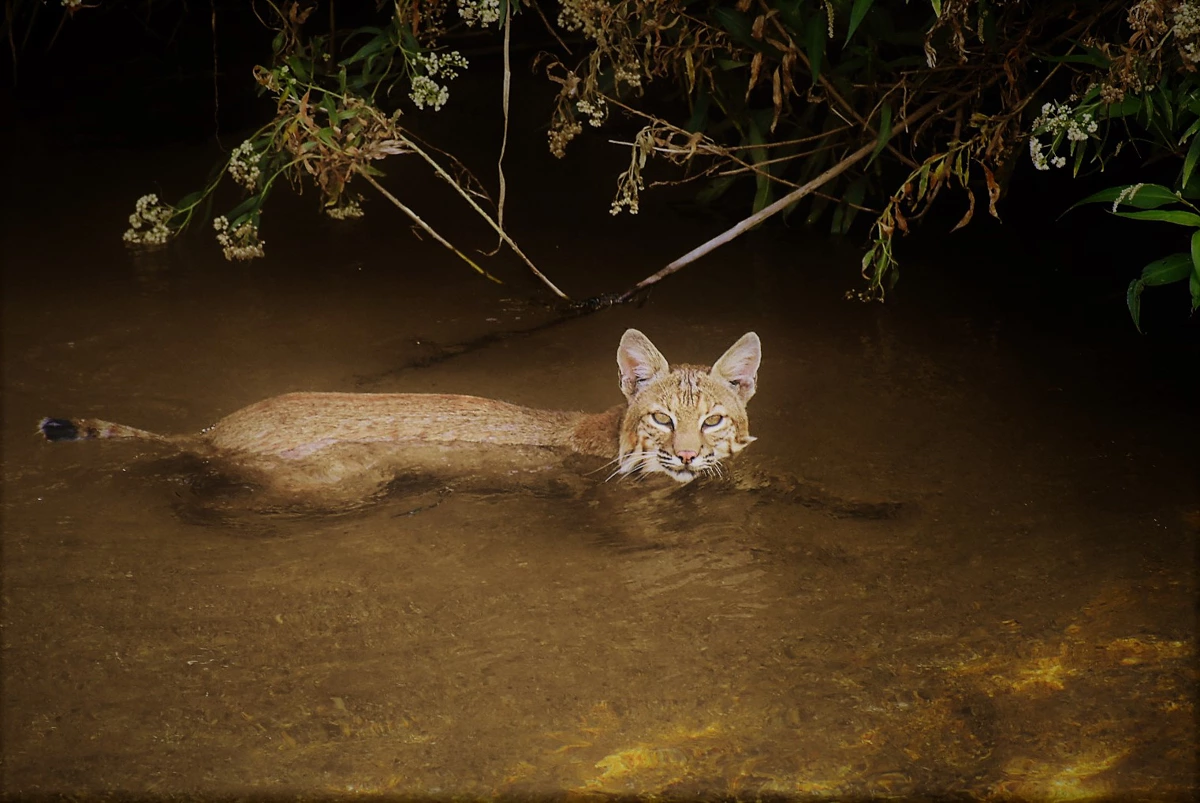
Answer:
(957, 560)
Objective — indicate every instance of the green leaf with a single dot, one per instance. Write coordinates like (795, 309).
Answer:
(1169, 269)
(298, 68)
(764, 193)
(1191, 188)
(885, 131)
(1194, 287)
(715, 189)
(699, 112)
(1133, 300)
(404, 37)
(814, 44)
(1189, 161)
(243, 210)
(1150, 196)
(1191, 129)
(1131, 104)
(738, 25)
(330, 107)
(853, 198)
(860, 9)
(1195, 254)
(1178, 217)
(819, 204)
(937, 7)
(923, 181)
(373, 46)
(789, 12)
(191, 199)
(1079, 149)
(326, 136)
(1168, 108)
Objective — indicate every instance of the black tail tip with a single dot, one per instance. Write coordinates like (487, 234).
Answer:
(58, 429)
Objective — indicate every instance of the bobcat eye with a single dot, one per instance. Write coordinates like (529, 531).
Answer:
(713, 420)
(662, 419)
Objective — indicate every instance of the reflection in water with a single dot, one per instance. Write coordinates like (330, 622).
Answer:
(934, 573)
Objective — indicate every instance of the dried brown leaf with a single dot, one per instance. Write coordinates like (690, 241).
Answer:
(993, 192)
(298, 14)
(970, 212)
(789, 61)
(777, 98)
(755, 69)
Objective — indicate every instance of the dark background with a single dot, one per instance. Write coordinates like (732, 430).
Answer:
(118, 79)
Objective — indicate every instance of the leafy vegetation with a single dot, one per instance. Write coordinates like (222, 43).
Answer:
(832, 109)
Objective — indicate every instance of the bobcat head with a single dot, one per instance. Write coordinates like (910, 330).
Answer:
(684, 420)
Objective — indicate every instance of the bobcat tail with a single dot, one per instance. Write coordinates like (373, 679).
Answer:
(86, 429)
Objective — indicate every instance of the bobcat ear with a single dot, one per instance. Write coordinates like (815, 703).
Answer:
(638, 362)
(739, 366)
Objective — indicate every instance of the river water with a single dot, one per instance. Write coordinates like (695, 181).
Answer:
(959, 560)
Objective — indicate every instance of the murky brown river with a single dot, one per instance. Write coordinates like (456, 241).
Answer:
(959, 560)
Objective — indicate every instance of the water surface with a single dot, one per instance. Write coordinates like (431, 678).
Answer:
(958, 560)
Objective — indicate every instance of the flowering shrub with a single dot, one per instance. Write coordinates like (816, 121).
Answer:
(832, 109)
(1059, 120)
(1148, 85)
(149, 223)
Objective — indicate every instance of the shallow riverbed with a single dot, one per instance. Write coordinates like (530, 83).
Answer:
(959, 559)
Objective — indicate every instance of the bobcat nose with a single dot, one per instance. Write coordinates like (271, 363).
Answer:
(687, 456)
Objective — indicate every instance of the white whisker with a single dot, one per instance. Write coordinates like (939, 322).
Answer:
(607, 465)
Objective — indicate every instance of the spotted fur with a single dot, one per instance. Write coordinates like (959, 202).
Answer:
(681, 421)
(684, 421)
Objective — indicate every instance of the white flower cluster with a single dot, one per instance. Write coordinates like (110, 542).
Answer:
(627, 196)
(1058, 120)
(561, 135)
(1126, 195)
(479, 12)
(628, 74)
(240, 243)
(243, 165)
(1187, 19)
(148, 223)
(425, 90)
(1187, 27)
(1110, 94)
(346, 209)
(1037, 153)
(580, 15)
(428, 92)
(597, 110)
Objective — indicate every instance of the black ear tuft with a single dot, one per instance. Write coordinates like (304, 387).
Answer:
(59, 429)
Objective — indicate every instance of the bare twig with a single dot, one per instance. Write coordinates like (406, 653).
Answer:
(504, 136)
(779, 205)
(441, 171)
(425, 226)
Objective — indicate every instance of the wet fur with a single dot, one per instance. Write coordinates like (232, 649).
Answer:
(313, 429)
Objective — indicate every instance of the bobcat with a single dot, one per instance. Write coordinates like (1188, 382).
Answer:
(681, 421)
